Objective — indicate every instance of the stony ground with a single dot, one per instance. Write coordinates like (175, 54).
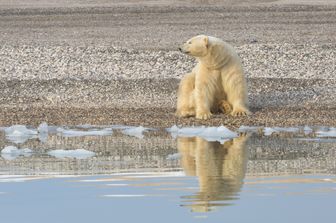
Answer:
(115, 62)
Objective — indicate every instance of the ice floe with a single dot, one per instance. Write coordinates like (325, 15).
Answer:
(175, 156)
(244, 128)
(78, 153)
(135, 131)
(43, 128)
(12, 152)
(269, 131)
(77, 133)
(307, 130)
(220, 134)
(19, 133)
(328, 133)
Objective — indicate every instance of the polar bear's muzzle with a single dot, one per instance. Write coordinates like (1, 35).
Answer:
(181, 49)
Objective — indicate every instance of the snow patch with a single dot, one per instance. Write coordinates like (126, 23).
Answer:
(78, 153)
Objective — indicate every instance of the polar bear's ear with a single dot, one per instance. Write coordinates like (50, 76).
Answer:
(206, 41)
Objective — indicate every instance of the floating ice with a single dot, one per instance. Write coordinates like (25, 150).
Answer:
(19, 130)
(244, 128)
(220, 134)
(43, 128)
(269, 131)
(174, 156)
(307, 130)
(135, 131)
(78, 153)
(77, 133)
(12, 152)
(330, 133)
(19, 133)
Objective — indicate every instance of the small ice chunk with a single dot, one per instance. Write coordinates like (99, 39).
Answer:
(269, 131)
(174, 128)
(121, 127)
(19, 133)
(43, 128)
(12, 152)
(307, 130)
(18, 130)
(174, 156)
(191, 131)
(78, 153)
(14, 149)
(244, 128)
(330, 133)
(78, 133)
(135, 131)
(217, 132)
(86, 126)
(220, 133)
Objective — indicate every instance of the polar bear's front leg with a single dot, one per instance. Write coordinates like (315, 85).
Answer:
(185, 96)
(202, 101)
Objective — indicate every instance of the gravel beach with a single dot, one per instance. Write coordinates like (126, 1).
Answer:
(116, 62)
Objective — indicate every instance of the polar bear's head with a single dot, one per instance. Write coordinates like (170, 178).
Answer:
(212, 52)
(196, 46)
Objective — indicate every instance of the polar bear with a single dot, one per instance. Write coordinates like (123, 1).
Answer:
(217, 83)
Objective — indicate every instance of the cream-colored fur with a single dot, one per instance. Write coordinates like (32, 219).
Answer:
(220, 168)
(217, 83)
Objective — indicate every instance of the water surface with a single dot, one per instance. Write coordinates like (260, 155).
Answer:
(156, 177)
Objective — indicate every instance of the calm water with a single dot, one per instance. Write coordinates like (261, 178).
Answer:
(158, 178)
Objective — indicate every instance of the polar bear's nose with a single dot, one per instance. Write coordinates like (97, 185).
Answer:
(180, 49)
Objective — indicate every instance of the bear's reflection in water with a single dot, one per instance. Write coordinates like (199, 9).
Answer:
(220, 169)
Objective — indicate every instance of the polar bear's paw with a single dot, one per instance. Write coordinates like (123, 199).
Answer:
(225, 107)
(203, 115)
(185, 113)
(239, 112)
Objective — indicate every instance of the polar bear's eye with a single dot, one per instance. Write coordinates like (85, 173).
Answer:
(189, 42)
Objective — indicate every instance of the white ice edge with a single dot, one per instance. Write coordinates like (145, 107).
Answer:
(15, 150)
(330, 133)
(270, 130)
(78, 153)
(77, 133)
(135, 131)
(220, 133)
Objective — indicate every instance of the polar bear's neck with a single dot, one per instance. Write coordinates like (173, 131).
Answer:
(219, 54)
